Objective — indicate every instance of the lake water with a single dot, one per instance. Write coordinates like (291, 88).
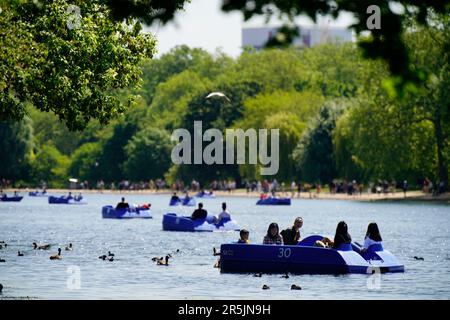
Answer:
(408, 229)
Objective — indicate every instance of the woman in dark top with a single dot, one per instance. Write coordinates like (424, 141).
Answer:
(341, 237)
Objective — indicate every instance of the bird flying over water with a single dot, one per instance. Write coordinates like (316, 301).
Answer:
(218, 94)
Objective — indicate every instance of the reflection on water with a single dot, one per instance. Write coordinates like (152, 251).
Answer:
(408, 230)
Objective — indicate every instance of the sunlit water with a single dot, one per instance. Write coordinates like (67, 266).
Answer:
(408, 230)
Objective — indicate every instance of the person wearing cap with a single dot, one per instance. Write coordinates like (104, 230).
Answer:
(291, 236)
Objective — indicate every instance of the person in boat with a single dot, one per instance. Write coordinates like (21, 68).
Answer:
(175, 198)
(205, 193)
(16, 194)
(223, 215)
(244, 234)
(291, 236)
(122, 204)
(273, 235)
(373, 236)
(273, 193)
(78, 197)
(70, 196)
(199, 213)
(341, 237)
(145, 206)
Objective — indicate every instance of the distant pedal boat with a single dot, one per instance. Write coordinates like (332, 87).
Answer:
(37, 194)
(189, 202)
(109, 212)
(11, 199)
(205, 195)
(65, 200)
(172, 222)
(275, 201)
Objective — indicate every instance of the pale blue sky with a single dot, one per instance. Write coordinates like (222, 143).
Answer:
(202, 24)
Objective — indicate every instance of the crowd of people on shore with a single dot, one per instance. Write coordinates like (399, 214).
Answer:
(295, 188)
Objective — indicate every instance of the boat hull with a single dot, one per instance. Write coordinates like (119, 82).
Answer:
(205, 195)
(185, 202)
(63, 200)
(274, 202)
(249, 258)
(37, 194)
(11, 199)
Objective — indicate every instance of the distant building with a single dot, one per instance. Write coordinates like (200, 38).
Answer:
(309, 36)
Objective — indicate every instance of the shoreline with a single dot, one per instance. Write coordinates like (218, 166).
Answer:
(364, 197)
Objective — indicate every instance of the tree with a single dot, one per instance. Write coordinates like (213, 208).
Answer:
(385, 42)
(177, 60)
(16, 143)
(314, 153)
(288, 111)
(48, 129)
(430, 51)
(149, 11)
(383, 144)
(271, 69)
(73, 69)
(84, 162)
(408, 136)
(50, 166)
(148, 155)
(113, 142)
(338, 70)
(170, 102)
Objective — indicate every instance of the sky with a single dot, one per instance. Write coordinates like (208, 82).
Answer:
(202, 24)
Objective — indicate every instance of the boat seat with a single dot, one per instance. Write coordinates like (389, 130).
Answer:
(310, 241)
(375, 247)
(370, 253)
(345, 247)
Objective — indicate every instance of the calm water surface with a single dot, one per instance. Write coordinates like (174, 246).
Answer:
(408, 230)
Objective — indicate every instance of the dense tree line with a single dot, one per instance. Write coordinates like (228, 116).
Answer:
(337, 113)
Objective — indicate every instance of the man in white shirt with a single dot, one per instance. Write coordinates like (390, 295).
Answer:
(224, 214)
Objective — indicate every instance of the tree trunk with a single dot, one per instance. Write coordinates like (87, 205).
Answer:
(441, 165)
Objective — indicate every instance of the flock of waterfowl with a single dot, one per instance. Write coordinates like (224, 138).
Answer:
(164, 261)
(160, 261)
(36, 246)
